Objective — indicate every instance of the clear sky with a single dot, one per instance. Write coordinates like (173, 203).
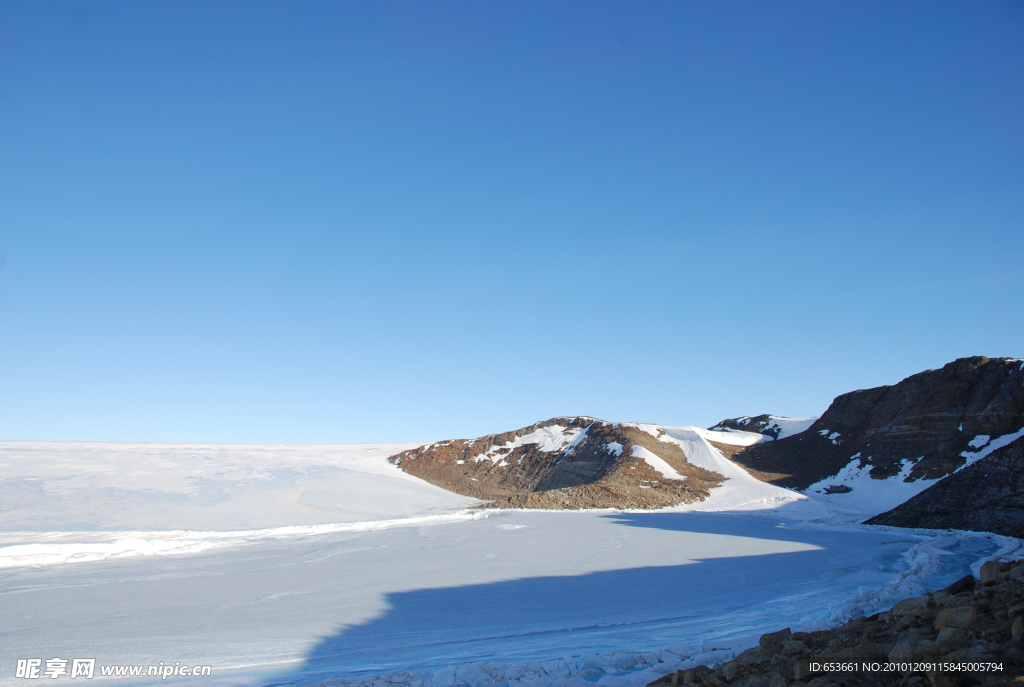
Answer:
(371, 221)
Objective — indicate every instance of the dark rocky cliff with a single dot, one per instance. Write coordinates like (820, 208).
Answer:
(929, 418)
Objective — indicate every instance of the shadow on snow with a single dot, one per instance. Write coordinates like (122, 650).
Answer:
(636, 608)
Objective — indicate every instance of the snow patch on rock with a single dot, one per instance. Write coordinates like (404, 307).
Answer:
(551, 438)
(979, 441)
(659, 464)
(989, 446)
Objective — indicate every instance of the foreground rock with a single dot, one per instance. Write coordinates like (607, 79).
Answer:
(971, 622)
(564, 463)
(934, 420)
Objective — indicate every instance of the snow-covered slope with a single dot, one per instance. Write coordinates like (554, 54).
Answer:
(770, 426)
(739, 491)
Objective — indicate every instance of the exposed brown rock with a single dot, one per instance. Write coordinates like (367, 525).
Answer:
(597, 470)
(962, 618)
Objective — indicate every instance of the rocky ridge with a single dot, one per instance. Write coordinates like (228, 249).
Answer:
(908, 436)
(970, 622)
(771, 426)
(930, 422)
(564, 463)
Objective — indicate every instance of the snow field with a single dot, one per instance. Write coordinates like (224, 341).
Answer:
(327, 565)
(115, 486)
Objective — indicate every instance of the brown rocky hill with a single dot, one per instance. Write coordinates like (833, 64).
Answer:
(987, 496)
(935, 419)
(566, 462)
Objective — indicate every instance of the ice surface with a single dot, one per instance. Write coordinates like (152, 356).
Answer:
(53, 548)
(515, 591)
(302, 565)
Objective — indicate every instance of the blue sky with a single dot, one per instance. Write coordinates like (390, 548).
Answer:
(331, 222)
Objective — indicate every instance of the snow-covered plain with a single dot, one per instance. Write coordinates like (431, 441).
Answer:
(309, 564)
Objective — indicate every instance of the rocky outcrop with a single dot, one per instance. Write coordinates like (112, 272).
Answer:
(932, 420)
(771, 426)
(985, 497)
(924, 428)
(562, 463)
(970, 623)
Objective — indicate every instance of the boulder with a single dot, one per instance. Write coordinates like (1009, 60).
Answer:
(771, 640)
(754, 681)
(908, 607)
(951, 639)
(914, 649)
(964, 584)
(962, 617)
(991, 572)
(730, 670)
(752, 656)
(942, 679)
(793, 647)
(864, 651)
(695, 675)
(802, 670)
